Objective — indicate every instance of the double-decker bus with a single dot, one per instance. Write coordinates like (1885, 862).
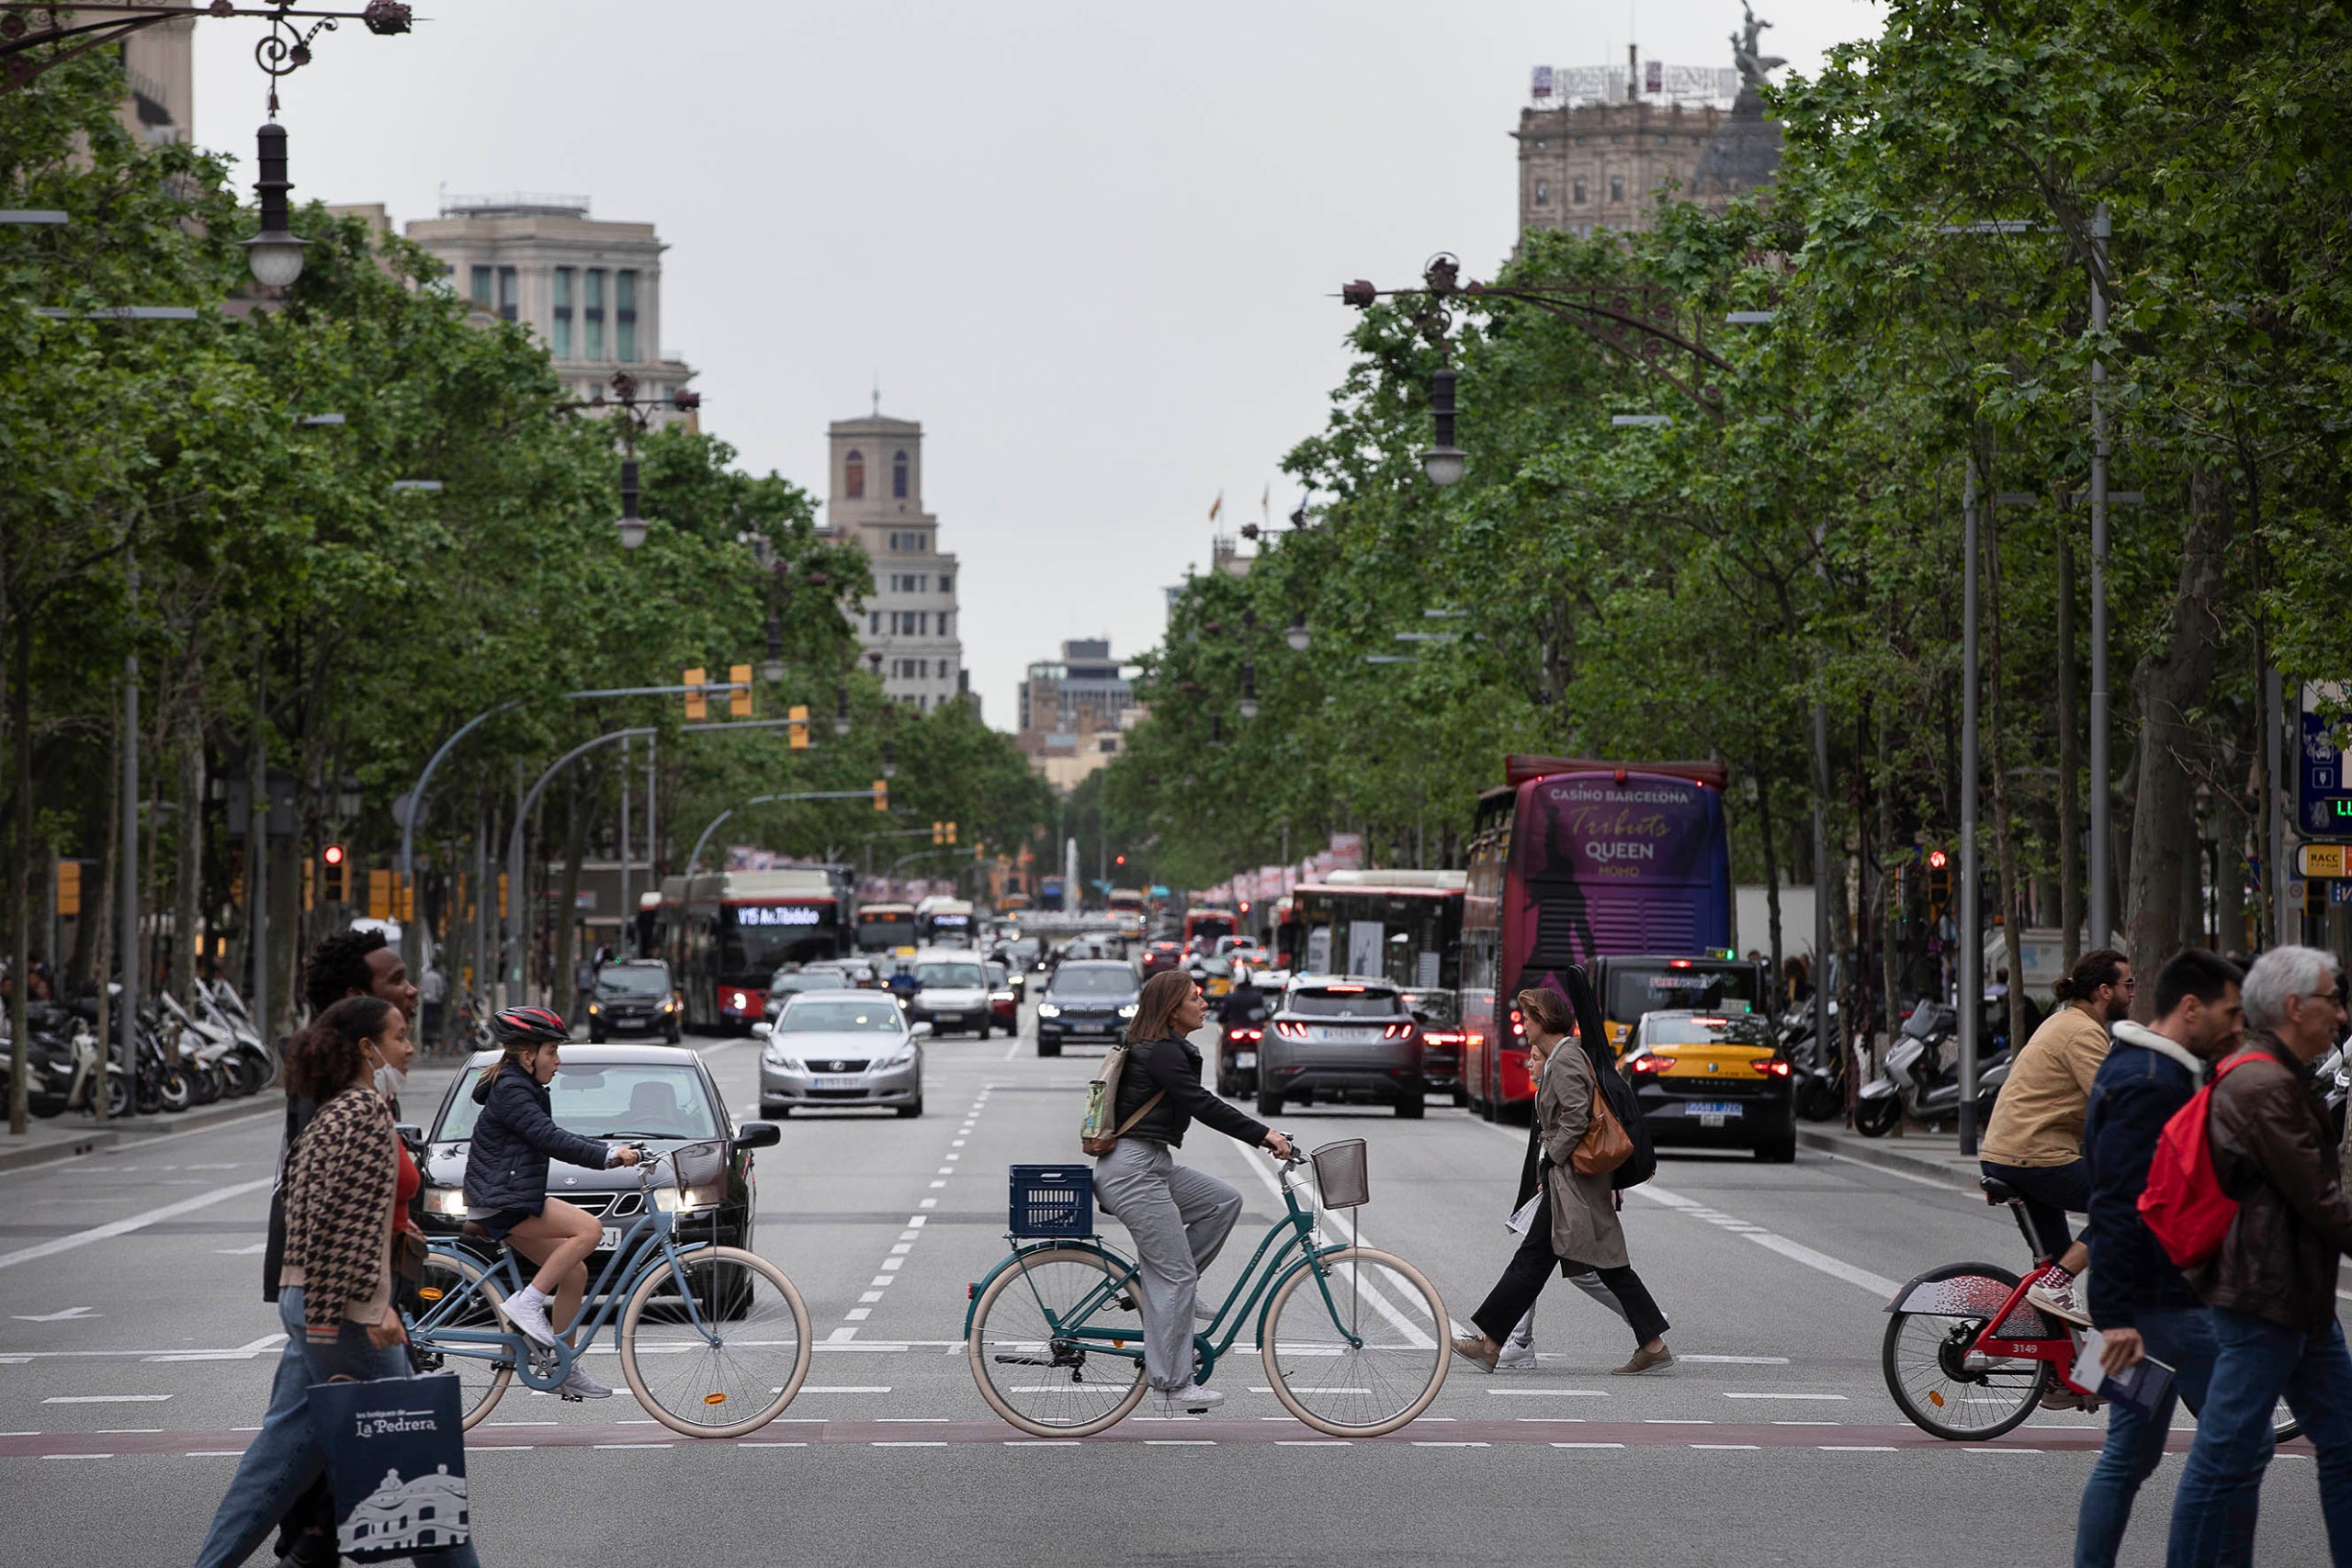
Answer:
(1572, 860)
(1204, 923)
(945, 922)
(735, 928)
(881, 926)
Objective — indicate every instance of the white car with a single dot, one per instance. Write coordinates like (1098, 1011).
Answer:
(841, 1049)
(951, 991)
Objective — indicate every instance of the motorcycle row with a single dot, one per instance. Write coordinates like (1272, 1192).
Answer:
(182, 1057)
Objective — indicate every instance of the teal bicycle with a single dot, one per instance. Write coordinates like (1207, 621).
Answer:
(714, 1340)
(1354, 1340)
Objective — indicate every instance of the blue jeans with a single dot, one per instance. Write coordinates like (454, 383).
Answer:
(2183, 1340)
(285, 1457)
(2256, 1361)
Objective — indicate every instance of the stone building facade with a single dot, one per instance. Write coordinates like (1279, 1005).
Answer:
(1600, 148)
(911, 620)
(589, 288)
(1075, 711)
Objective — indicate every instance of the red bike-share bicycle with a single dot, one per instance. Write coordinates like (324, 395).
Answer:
(1968, 1357)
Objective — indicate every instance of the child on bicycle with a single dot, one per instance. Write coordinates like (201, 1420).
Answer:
(506, 1180)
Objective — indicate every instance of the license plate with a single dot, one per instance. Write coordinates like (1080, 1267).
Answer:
(849, 1081)
(1244, 1058)
(612, 1237)
(1714, 1110)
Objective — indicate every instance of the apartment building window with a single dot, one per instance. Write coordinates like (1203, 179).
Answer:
(480, 293)
(562, 340)
(1576, 192)
(1543, 193)
(854, 479)
(899, 477)
(625, 315)
(592, 314)
(946, 584)
(509, 293)
(1616, 187)
(942, 622)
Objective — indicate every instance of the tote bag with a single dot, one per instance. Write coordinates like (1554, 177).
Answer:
(396, 1454)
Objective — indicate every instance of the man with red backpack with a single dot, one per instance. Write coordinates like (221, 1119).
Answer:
(2138, 1299)
(2270, 1285)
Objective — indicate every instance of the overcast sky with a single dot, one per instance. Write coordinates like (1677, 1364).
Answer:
(1089, 245)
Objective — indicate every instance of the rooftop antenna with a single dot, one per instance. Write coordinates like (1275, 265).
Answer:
(878, 394)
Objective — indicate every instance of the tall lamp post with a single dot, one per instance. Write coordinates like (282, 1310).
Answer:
(637, 417)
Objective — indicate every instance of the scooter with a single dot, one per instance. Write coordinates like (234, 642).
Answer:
(64, 1075)
(1819, 1070)
(1915, 1081)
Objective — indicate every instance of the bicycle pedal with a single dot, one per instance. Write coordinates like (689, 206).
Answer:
(567, 1396)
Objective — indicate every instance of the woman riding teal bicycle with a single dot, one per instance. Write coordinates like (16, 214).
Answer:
(1179, 1217)
(506, 1180)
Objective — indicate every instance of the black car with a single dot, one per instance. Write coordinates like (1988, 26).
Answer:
(657, 1094)
(635, 997)
(1086, 999)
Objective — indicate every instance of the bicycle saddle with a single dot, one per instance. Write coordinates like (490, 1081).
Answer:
(476, 1229)
(1999, 1191)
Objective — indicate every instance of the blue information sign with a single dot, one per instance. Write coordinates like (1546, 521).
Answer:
(2323, 772)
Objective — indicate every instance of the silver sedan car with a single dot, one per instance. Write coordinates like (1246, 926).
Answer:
(841, 1048)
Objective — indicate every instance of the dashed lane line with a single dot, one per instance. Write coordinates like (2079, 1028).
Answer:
(136, 1223)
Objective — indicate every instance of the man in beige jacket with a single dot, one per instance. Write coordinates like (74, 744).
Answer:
(2035, 1140)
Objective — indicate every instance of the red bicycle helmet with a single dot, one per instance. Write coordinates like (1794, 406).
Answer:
(527, 1026)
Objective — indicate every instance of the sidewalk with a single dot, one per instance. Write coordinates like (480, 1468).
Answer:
(74, 1134)
(1933, 1156)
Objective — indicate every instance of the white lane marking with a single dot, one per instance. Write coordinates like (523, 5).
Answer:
(1808, 1423)
(932, 1202)
(858, 1314)
(1836, 1396)
(136, 1223)
(77, 1456)
(635, 1444)
(1549, 1393)
(1179, 1442)
(124, 1431)
(1750, 1446)
(771, 1444)
(842, 1335)
(1955, 1185)
(1424, 1443)
(1836, 1268)
(1588, 1445)
(245, 1352)
(935, 1184)
(848, 1388)
(1678, 1421)
(1345, 1226)
(224, 1453)
(65, 1314)
(225, 1165)
(869, 1298)
(1042, 1443)
(906, 1443)
(1012, 1050)
(106, 1399)
(1738, 1360)
(1314, 1443)
(1856, 1447)
(264, 1246)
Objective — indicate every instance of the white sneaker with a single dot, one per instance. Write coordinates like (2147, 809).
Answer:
(1190, 1400)
(1517, 1355)
(580, 1385)
(531, 1317)
(2058, 1294)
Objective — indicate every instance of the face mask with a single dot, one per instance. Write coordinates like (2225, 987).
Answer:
(391, 1081)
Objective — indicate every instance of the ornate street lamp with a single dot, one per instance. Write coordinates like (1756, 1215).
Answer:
(772, 667)
(631, 525)
(841, 708)
(1297, 636)
(274, 255)
(1248, 689)
(1443, 462)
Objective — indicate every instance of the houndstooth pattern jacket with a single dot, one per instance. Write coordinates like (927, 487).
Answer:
(339, 1186)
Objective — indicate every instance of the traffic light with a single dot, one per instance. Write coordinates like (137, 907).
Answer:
(696, 709)
(939, 833)
(335, 883)
(1120, 859)
(881, 795)
(799, 717)
(1939, 881)
(951, 832)
(69, 888)
(738, 701)
(380, 895)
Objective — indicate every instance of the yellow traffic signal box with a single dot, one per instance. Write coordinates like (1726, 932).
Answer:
(696, 709)
(738, 701)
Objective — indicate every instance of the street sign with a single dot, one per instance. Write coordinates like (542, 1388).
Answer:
(2324, 860)
(2323, 770)
(2339, 892)
(2297, 891)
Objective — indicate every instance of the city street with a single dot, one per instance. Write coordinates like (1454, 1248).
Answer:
(135, 1353)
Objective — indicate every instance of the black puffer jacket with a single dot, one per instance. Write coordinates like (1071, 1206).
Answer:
(1171, 1068)
(507, 1165)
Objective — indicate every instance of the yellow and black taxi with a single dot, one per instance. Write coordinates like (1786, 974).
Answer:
(1713, 1080)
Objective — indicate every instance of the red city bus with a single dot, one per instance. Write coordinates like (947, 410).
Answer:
(1569, 861)
(738, 928)
(1204, 924)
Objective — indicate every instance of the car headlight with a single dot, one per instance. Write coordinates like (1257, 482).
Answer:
(1047, 1009)
(669, 1006)
(899, 1057)
(1128, 1010)
(448, 1203)
(594, 1010)
(778, 1059)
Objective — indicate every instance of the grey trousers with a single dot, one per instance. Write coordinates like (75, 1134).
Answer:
(1179, 1219)
(1589, 1283)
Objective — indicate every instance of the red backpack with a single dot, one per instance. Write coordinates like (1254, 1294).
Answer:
(2183, 1203)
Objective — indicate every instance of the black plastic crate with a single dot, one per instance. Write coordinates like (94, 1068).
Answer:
(1053, 1199)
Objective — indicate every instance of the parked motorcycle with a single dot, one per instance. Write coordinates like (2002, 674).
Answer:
(1920, 1077)
(64, 1071)
(1818, 1070)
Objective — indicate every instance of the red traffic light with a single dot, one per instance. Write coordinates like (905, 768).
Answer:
(1122, 860)
(332, 854)
(1937, 859)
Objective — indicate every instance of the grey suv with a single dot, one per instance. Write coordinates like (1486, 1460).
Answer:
(1341, 1037)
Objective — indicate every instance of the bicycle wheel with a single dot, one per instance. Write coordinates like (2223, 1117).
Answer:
(1031, 1376)
(1368, 1359)
(458, 1293)
(734, 1373)
(1936, 1382)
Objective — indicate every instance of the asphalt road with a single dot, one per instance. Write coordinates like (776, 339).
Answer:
(133, 1346)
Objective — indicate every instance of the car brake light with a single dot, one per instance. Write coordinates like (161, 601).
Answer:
(1517, 1025)
(1442, 1037)
(1678, 963)
(1344, 990)
(1651, 1064)
(1289, 1030)
(1396, 1031)
(1715, 1023)
(1775, 1068)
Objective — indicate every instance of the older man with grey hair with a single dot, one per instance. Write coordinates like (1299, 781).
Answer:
(2271, 1287)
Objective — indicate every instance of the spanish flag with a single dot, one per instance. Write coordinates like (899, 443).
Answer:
(1216, 508)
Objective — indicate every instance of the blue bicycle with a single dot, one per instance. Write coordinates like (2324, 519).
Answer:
(714, 1340)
